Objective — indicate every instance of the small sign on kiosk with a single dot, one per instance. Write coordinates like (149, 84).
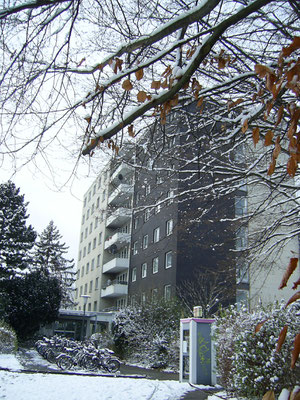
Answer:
(197, 355)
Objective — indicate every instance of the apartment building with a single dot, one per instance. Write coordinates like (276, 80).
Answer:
(151, 223)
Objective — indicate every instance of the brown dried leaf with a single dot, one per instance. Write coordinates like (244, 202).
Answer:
(295, 395)
(88, 119)
(292, 166)
(281, 338)
(294, 298)
(167, 71)
(287, 51)
(234, 103)
(268, 138)
(279, 115)
(200, 101)
(288, 272)
(139, 74)
(130, 131)
(127, 85)
(165, 84)
(259, 325)
(142, 96)
(155, 85)
(295, 351)
(245, 126)
(296, 284)
(272, 167)
(270, 395)
(277, 149)
(255, 135)
(262, 70)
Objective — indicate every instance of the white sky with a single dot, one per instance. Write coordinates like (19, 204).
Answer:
(47, 203)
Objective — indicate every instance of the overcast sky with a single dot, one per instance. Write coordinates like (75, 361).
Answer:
(47, 203)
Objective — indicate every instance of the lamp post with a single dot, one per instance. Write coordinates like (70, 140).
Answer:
(85, 300)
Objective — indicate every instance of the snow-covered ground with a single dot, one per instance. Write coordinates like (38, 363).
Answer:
(26, 386)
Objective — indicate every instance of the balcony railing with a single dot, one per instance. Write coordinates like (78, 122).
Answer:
(117, 241)
(121, 194)
(116, 265)
(118, 218)
(123, 171)
(115, 289)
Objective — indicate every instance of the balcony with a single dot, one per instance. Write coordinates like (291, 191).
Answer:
(118, 218)
(116, 265)
(117, 241)
(121, 194)
(123, 172)
(115, 289)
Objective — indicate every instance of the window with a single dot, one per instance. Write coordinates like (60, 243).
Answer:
(154, 293)
(80, 292)
(167, 292)
(92, 264)
(168, 259)
(242, 298)
(170, 196)
(99, 182)
(97, 284)
(89, 247)
(133, 274)
(242, 271)
(93, 209)
(76, 293)
(89, 196)
(241, 238)
(240, 206)
(95, 306)
(84, 203)
(159, 179)
(98, 260)
(81, 237)
(145, 242)
(156, 234)
(135, 248)
(84, 251)
(135, 222)
(87, 268)
(91, 287)
(85, 288)
(147, 214)
(89, 307)
(91, 227)
(85, 232)
(96, 222)
(147, 189)
(155, 265)
(103, 195)
(79, 257)
(83, 219)
(94, 189)
(78, 274)
(94, 243)
(144, 270)
(100, 238)
(143, 298)
(157, 209)
(82, 271)
(169, 227)
(88, 214)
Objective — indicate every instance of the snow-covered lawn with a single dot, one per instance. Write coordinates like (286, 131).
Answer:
(24, 386)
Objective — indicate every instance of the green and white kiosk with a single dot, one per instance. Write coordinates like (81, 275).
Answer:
(197, 354)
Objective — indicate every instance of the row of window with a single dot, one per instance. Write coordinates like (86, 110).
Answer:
(86, 268)
(94, 207)
(87, 288)
(91, 246)
(92, 192)
(153, 295)
(155, 266)
(169, 199)
(156, 237)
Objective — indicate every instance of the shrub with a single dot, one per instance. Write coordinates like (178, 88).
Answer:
(149, 334)
(248, 362)
(8, 338)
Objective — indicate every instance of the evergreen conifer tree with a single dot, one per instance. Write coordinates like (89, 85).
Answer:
(16, 239)
(50, 258)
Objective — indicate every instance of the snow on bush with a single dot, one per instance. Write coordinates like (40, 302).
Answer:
(248, 362)
(8, 338)
(149, 334)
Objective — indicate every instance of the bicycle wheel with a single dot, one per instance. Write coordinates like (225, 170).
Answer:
(50, 356)
(64, 362)
(112, 365)
(90, 363)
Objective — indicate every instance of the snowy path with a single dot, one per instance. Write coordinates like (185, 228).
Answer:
(26, 386)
